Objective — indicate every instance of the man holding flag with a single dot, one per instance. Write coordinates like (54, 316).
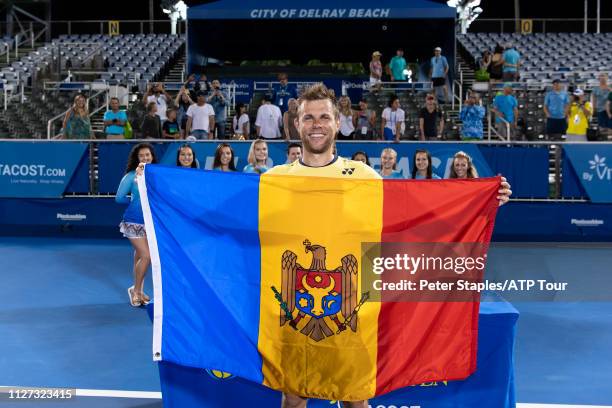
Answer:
(309, 346)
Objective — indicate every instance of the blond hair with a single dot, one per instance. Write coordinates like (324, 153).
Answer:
(251, 157)
(345, 111)
(471, 171)
(392, 152)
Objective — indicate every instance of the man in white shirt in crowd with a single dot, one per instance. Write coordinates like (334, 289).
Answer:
(269, 120)
(200, 119)
(393, 120)
(158, 94)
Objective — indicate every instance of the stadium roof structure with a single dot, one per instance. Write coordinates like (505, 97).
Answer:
(319, 9)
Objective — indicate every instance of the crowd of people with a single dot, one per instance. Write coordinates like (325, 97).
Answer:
(199, 110)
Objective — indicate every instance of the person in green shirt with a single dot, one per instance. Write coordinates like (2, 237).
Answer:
(398, 66)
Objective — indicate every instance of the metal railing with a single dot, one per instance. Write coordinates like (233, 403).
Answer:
(457, 91)
(388, 86)
(492, 129)
(7, 50)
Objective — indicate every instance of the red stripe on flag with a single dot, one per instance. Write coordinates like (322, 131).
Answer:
(432, 341)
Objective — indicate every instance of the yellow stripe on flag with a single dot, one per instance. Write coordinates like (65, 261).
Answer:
(338, 215)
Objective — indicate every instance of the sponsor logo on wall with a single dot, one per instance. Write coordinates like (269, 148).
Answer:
(32, 174)
(599, 170)
(586, 223)
(71, 217)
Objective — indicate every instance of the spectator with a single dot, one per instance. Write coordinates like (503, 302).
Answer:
(482, 74)
(289, 120)
(76, 122)
(283, 91)
(512, 61)
(362, 157)
(392, 120)
(132, 224)
(269, 120)
(218, 100)
(151, 125)
(224, 158)
(200, 119)
(170, 128)
(429, 118)
(241, 123)
(347, 129)
(183, 101)
(472, 114)
(496, 68)
(578, 117)
(505, 107)
(200, 83)
(158, 94)
(114, 120)
(438, 73)
(294, 152)
(485, 60)
(556, 103)
(462, 167)
(186, 157)
(365, 121)
(258, 157)
(388, 164)
(398, 66)
(421, 166)
(599, 97)
(375, 71)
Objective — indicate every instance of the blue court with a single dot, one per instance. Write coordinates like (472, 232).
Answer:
(65, 321)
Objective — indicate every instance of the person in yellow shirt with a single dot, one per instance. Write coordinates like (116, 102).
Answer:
(317, 123)
(578, 117)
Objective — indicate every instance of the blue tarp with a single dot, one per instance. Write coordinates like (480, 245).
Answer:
(335, 9)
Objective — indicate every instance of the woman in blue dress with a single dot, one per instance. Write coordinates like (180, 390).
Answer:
(132, 225)
(421, 166)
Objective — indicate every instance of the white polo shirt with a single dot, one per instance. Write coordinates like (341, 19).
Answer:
(269, 119)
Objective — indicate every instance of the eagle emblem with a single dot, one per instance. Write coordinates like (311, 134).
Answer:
(322, 297)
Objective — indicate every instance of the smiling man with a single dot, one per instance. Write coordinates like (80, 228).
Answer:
(317, 123)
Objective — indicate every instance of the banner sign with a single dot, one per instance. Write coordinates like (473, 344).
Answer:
(442, 154)
(274, 9)
(38, 169)
(591, 162)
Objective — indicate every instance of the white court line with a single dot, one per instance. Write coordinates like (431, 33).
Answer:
(157, 395)
(119, 394)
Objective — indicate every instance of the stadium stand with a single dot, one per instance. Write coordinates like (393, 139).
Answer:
(570, 57)
(131, 60)
(129, 57)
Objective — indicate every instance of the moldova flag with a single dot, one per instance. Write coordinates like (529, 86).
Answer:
(259, 276)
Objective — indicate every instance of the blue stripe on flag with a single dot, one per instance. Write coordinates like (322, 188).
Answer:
(208, 245)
